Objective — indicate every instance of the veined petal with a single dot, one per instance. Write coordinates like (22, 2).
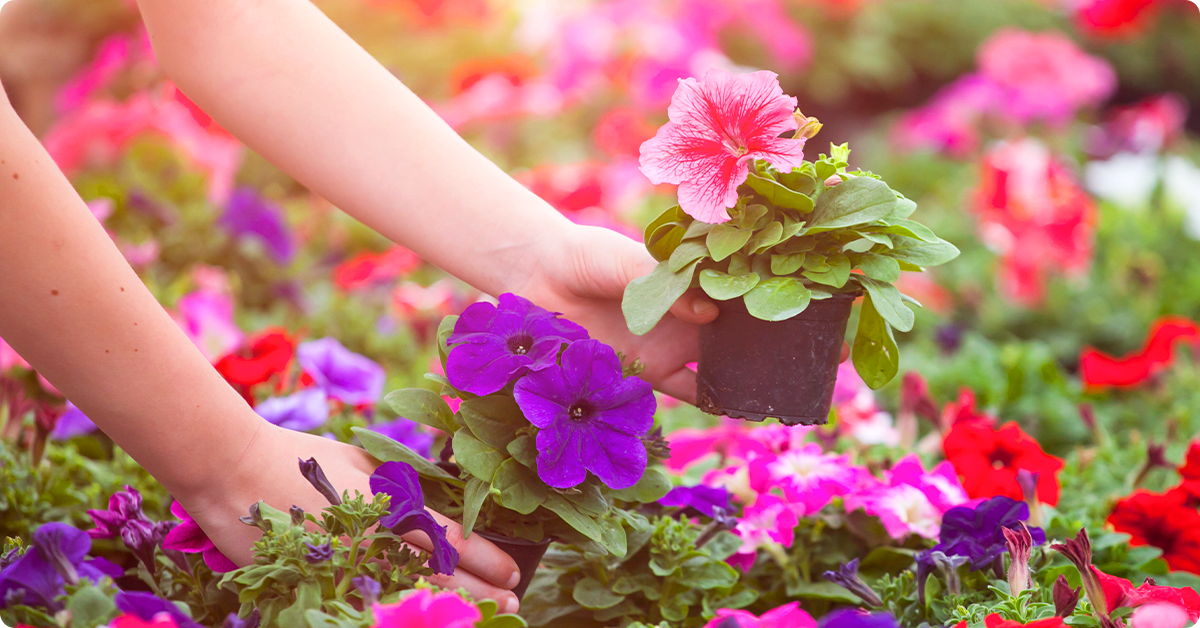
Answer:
(618, 459)
(560, 459)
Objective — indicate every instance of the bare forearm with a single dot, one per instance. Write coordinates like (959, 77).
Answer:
(78, 313)
(295, 88)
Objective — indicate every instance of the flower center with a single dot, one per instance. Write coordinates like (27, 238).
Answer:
(1001, 458)
(520, 344)
(579, 412)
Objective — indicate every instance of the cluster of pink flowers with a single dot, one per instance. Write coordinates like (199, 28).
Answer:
(780, 477)
(1034, 214)
(1022, 78)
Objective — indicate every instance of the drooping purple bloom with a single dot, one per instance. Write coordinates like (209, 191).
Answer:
(854, 618)
(591, 417)
(58, 556)
(72, 423)
(847, 577)
(316, 476)
(711, 501)
(495, 345)
(124, 518)
(351, 378)
(406, 433)
(248, 215)
(406, 512)
(318, 553)
(302, 411)
(978, 533)
(146, 606)
(189, 538)
(368, 588)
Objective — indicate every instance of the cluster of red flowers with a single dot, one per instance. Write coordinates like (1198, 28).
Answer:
(1169, 521)
(988, 458)
(1100, 370)
(264, 356)
(373, 269)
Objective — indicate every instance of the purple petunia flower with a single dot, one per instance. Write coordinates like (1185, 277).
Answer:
(854, 618)
(302, 411)
(58, 556)
(847, 577)
(147, 606)
(591, 417)
(125, 519)
(494, 345)
(350, 378)
(248, 215)
(72, 423)
(406, 433)
(978, 533)
(711, 501)
(406, 512)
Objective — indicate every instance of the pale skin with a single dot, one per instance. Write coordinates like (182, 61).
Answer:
(296, 89)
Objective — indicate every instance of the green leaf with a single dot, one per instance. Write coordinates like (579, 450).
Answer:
(784, 264)
(477, 491)
(702, 572)
(822, 591)
(798, 181)
(614, 539)
(777, 299)
(723, 287)
(652, 487)
(662, 242)
(524, 449)
(308, 597)
(89, 606)
(279, 520)
(520, 487)
(670, 215)
(838, 272)
(739, 264)
(825, 170)
(875, 355)
(385, 449)
(768, 237)
(723, 545)
(423, 406)
(648, 298)
(697, 228)
(591, 593)
(840, 153)
(477, 457)
(725, 240)
(861, 245)
(687, 252)
(908, 229)
(924, 253)
(582, 523)
(749, 217)
(880, 267)
(859, 201)
(888, 303)
(779, 195)
(902, 210)
(493, 419)
(588, 500)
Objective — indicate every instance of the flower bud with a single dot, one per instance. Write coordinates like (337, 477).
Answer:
(806, 127)
(297, 514)
(255, 518)
(949, 565)
(847, 576)
(1066, 598)
(368, 588)
(318, 553)
(315, 476)
(1028, 481)
(1079, 551)
(1020, 543)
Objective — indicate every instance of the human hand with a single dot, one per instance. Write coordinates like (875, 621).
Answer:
(269, 471)
(584, 277)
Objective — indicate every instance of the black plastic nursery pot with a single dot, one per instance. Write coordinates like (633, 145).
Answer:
(527, 554)
(754, 369)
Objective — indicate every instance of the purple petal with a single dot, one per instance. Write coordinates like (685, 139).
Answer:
(302, 411)
(108, 524)
(544, 397)
(71, 541)
(186, 537)
(485, 367)
(406, 433)
(249, 215)
(443, 558)
(96, 568)
(589, 367)
(346, 376)
(560, 461)
(217, 561)
(146, 606)
(619, 460)
(36, 577)
(402, 483)
(627, 407)
(72, 423)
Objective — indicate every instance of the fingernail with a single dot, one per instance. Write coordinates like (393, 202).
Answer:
(511, 605)
(514, 580)
(703, 308)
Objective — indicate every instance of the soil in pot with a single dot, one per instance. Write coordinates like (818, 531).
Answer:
(753, 369)
(527, 554)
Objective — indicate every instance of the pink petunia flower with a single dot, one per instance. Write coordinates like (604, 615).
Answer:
(1159, 615)
(423, 609)
(770, 521)
(9, 357)
(162, 620)
(745, 480)
(811, 478)
(940, 484)
(902, 509)
(786, 616)
(206, 316)
(718, 125)
(189, 538)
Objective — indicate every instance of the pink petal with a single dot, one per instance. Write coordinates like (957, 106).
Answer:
(217, 561)
(186, 537)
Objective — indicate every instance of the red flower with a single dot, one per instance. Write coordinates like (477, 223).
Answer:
(1113, 17)
(964, 411)
(515, 69)
(570, 188)
(988, 459)
(266, 354)
(1190, 472)
(1100, 370)
(1119, 592)
(1165, 521)
(622, 132)
(369, 269)
(996, 621)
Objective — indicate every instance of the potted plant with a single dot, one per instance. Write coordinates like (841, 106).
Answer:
(783, 244)
(552, 433)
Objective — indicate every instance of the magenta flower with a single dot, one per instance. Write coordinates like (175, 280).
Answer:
(786, 616)
(350, 378)
(301, 411)
(902, 509)
(494, 345)
(712, 502)
(811, 478)
(591, 417)
(770, 521)
(150, 608)
(187, 537)
(940, 484)
(73, 422)
(206, 316)
(425, 609)
(718, 126)
(248, 215)
(125, 519)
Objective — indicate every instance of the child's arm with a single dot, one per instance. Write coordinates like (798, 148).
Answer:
(72, 306)
(290, 84)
